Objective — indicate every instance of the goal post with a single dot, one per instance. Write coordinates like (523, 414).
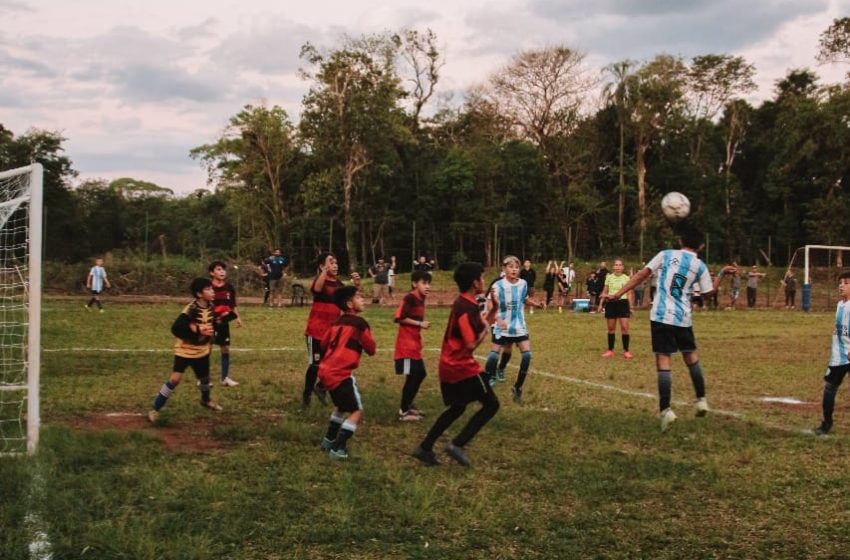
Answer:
(807, 269)
(21, 223)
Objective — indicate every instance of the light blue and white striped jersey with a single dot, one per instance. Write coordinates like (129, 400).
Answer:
(841, 335)
(98, 273)
(511, 307)
(678, 271)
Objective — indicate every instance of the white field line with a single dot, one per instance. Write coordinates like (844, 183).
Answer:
(568, 379)
(39, 547)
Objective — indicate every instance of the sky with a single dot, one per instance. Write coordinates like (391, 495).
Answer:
(133, 86)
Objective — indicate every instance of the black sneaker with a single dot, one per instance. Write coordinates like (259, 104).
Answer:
(426, 457)
(823, 429)
(458, 454)
(517, 393)
(321, 393)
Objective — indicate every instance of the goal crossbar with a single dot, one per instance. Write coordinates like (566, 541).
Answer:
(806, 279)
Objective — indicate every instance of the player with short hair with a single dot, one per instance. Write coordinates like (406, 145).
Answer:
(509, 296)
(343, 345)
(671, 315)
(96, 281)
(224, 307)
(194, 334)
(616, 310)
(323, 313)
(839, 360)
(461, 379)
(410, 316)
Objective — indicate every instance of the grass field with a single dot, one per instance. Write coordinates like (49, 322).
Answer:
(580, 470)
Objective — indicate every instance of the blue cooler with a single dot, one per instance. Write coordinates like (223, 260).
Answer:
(581, 305)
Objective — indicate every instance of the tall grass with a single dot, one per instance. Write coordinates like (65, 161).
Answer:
(579, 470)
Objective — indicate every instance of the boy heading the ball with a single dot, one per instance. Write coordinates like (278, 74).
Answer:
(194, 333)
(671, 324)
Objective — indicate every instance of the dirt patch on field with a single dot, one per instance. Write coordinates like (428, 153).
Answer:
(178, 437)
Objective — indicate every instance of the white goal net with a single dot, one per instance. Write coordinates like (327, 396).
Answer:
(20, 308)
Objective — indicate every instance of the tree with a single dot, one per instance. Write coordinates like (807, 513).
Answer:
(655, 96)
(351, 113)
(253, 156)
(616, 92)
(420, 54)
(834, 43)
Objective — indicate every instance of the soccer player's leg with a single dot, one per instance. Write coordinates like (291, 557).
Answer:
(612, 329)
(414, 374)
(314, 356)
(503, 361)
(168, 387)
(456, 405)
(492, 359)
(663, 345)
(831, 382)
(201, 367)
(346, 398)
(524, 365)
(222, 339)
(473, 389)
(687, 345)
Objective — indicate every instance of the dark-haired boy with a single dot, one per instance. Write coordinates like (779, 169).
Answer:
(194, 331)
(670, 318)
(323, 313)
(461, 379)
(410, 317)
(343, 345)
(224, 307)
(839, 361)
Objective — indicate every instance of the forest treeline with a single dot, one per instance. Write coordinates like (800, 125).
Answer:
(547, 158)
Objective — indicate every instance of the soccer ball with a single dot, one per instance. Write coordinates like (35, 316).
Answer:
(675, 206)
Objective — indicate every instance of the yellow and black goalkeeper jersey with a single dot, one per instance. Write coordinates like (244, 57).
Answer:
(191, 344)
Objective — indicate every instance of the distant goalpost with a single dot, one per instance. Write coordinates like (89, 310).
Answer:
(807, 266)
(21, 204)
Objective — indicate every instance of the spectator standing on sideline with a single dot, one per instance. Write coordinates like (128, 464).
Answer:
(530, 276)
(752, 285)
(277, 265)
(391, 277)
(378, 272)
(734, 286)
(790, 284)
(592, 284)
(423, 264)
(549, 280)
(263, 272)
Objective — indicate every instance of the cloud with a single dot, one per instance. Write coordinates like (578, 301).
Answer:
(10, 64)
(11, 6)
(161, 83)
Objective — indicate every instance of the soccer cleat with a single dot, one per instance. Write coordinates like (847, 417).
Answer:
(500, 375)
(491, 380)
(824, 428)
(415, 410)
(628, 355)
(101, 310)
(701, 407)
(517, 393)
(326, 444)
(321, 393)
(338, 454)
(409, 416)
(608, 354)
(228, 382)
(426, 457)
(458, 454)
(212, 406)
(153, 415)
(667, 418)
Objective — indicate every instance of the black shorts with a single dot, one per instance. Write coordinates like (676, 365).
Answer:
(505, 340)
(96, 292)
(407, 366)
(222, 334)
(201, 366)
(346, 396)
(314, 351)
(667, 339)
(617, 309)
(835, 374)
(471, 389)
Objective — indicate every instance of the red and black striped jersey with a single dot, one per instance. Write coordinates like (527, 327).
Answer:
(408, 342)
(323, 311)
(465, 326)
(346, 340)
(225, 299)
